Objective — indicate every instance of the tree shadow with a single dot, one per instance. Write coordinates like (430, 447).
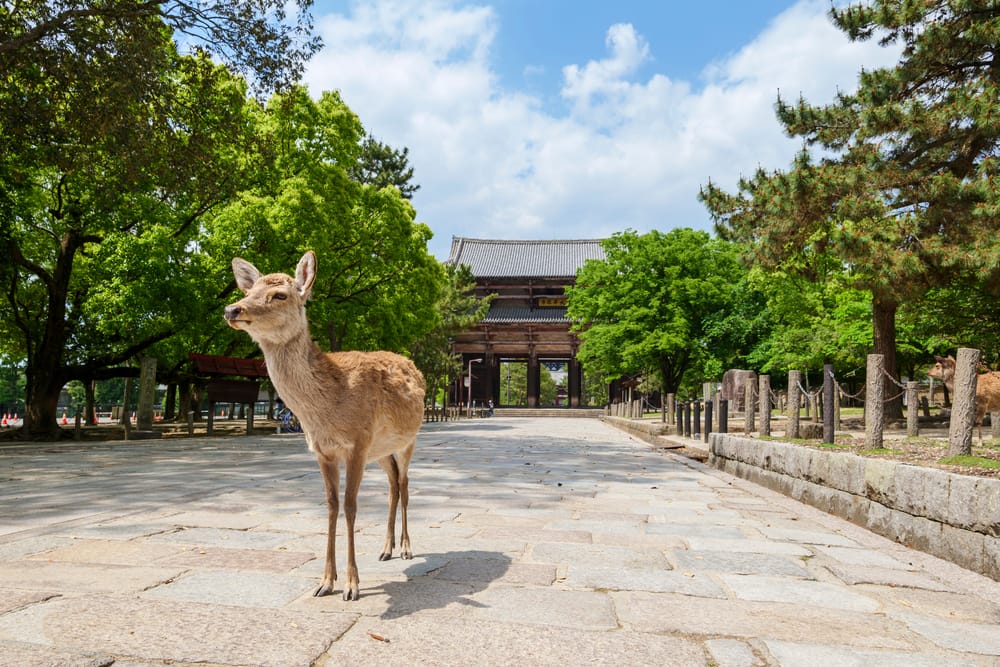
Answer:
(443, 579)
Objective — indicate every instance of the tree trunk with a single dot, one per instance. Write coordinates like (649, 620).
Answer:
(884, 308)
(90, 413)
(169, 402)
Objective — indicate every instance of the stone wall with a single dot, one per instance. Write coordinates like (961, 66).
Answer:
(649, 431)
(954, 517)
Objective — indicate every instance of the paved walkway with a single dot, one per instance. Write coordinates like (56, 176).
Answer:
(537, 542)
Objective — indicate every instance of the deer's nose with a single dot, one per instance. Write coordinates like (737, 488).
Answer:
(233, 312)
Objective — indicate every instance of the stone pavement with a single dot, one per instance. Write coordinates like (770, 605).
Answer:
(536, 542)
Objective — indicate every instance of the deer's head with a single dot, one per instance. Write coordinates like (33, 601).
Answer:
(273, 307)
(943, 368)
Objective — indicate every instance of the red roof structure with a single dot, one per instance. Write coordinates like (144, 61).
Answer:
(212, 365)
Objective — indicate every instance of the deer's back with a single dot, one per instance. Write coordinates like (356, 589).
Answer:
(368, 399)
(988, 391)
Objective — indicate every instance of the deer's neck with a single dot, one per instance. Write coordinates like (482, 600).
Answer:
(297, 368)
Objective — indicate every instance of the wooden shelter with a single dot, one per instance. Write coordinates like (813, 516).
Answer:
(522, 354)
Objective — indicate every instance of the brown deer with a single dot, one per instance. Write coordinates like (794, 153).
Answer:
(987, 387)
(354, 407)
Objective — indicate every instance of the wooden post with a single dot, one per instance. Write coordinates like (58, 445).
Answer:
(874, 406)
(671, 399)
(963, 403)
(764, 402)
(995, 425)
(794, 379)
(912, 409)
(748, 425)
(829, 390)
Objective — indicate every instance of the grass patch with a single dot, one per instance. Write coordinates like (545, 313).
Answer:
(881, 451)
(832, 445)
(972, 461)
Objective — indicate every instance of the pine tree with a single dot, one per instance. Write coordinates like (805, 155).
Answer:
(904, 190)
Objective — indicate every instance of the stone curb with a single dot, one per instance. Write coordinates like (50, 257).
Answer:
(954, 517)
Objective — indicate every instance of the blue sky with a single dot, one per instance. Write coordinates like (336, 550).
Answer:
(528, 119)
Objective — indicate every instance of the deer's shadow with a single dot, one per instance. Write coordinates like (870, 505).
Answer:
(441, 580)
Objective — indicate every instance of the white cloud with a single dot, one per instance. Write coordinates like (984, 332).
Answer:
(495, 163)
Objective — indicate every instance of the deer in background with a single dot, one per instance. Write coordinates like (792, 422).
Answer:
(987, 387)
(354, 407)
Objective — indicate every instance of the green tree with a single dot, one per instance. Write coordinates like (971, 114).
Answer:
(260, 40)
(383, 166)
(112, 148)
(458, 309)
(377, 285)
(656, 301)
(903, 191)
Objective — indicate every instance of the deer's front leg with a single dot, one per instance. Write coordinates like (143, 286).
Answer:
(331, 480)
(352, 484)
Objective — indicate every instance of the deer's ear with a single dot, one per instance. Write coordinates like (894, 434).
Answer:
(305, 274)
(246, 274)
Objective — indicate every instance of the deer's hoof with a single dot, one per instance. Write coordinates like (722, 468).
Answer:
(324, 589)
(406, 555)
(351, 593)
(385, 556)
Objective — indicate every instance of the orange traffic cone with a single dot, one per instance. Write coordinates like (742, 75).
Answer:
(4, 423)
(64, 418)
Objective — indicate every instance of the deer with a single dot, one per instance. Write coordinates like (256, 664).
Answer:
(987, 387)
(354, 407)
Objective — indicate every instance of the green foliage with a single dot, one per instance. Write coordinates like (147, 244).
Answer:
(657, 301)
(457, 309)
(383, 166)
(902, 198)
(377, 284)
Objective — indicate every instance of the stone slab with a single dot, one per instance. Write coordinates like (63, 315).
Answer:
(19, 654)
(970, 637)
(477, 570)
(225, 537)
(798, 591)
(60, 577)
(111, 552)
(748, 546)
(731, 653)
(162, 630)
(851, 574)
(599, 555)
(239, 589)
(709, 617)
(460, 640)
(790, 653)
(221, 558)
(617, 578)
(576, 610)
(740, 563)
(695, 530)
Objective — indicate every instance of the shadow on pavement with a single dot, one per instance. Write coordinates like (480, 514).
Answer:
(444, 579)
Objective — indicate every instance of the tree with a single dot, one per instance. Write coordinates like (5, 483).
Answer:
(258, 40)
(903, 191)
(377, 285)
(458, 308)
(383, 166)
(112, 148)
(654, 303)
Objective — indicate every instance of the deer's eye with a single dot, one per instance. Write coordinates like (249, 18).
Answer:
(280, 296)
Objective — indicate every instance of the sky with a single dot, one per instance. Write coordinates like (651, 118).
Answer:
(558, 119)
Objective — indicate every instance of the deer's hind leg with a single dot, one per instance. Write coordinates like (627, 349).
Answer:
(396, 467)
(388, 464)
